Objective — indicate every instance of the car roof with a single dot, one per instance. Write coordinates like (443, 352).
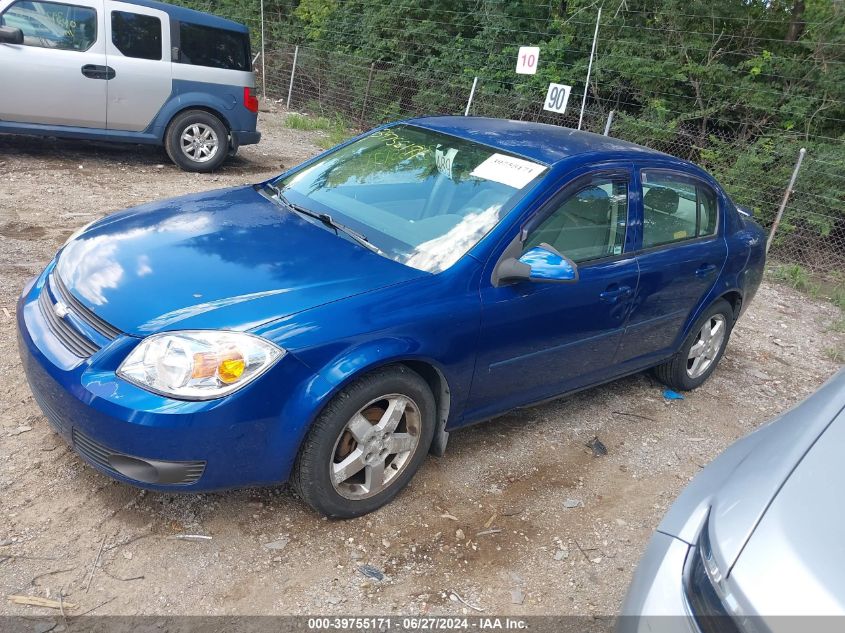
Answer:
(190, 15)
(538, 141)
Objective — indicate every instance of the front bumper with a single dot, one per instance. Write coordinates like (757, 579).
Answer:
(656, 602)
(247, 438)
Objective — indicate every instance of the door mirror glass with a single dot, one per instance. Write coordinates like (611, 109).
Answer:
(11, 35)
(546, 264)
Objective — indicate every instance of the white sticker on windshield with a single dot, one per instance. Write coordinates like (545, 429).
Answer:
(445, 160)
(508, 170)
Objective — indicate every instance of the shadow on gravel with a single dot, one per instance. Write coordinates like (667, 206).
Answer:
(50, 148)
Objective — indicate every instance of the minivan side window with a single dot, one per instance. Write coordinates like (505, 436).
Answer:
(676, 208)
(588, 224)
(136, 35)
(217, 48)
(52, 24)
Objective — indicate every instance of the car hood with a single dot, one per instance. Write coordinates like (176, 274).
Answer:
(227, 259)
(732, 494)
(793, 563)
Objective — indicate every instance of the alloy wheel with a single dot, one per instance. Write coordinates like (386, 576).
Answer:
(707, 346)
(375, 446)
(199, 142)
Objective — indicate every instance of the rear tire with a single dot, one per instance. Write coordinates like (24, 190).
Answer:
(351, 463)
(197, 141)
(699, 355)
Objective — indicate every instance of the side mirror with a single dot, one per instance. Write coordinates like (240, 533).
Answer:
(10, 35)
(540, 264)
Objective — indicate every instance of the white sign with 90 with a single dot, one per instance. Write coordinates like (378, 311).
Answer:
(557, 97)
(526, 62)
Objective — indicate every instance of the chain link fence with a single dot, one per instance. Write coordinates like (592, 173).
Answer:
(363, 93)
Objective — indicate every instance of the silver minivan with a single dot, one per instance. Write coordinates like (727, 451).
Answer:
(136, 71)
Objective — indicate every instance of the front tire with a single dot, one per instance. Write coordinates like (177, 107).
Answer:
(197, 141)
(367, 443)
(701, 351)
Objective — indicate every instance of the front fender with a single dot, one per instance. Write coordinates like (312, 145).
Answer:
(305, 404)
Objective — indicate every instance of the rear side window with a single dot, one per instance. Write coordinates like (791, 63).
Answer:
(136, 35)
(217, 48)
(676, 208)
(53, 25)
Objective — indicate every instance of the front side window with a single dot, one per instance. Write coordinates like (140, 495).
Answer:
(587, 224)
(53, 25)
(422, 197)
(217, 48)
(136, 35)
(676, 208)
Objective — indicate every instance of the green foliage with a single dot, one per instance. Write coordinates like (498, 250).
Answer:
(730, 85)
(795, 275)
(335, 129)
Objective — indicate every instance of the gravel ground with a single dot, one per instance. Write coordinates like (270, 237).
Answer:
(268, 554)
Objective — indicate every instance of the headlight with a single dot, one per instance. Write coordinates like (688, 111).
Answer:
(198, 364)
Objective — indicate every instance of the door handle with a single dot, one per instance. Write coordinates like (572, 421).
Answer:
(93, 71)
(615, 294)
(705, 269)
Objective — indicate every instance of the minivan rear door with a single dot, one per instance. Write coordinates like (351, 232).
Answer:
(138, 53)
(57, 76)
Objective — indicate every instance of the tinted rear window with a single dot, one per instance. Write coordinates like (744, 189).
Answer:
(217, 48)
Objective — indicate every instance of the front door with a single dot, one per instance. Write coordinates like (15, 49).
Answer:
(683, 252)
(138, 51)
(541, 339)
(56, 76)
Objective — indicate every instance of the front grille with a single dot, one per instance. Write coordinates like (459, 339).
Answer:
(74, 340)
(58, 419)
(70, 337)
(107, 331)
(101, 455)
(91, 450)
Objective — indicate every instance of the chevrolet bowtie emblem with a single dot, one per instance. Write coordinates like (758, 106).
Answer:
(61, 309)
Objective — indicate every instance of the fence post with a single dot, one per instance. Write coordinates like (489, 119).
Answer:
(263, 67)
(471, 95)
(367, 93)
(609, 123)
(786, 195)
(589, 69)
(292, 73)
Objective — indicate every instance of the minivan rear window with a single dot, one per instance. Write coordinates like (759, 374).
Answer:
(209, 46)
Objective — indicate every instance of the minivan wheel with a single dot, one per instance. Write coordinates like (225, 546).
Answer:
(701, 351)
(197, 140)
(367, 443)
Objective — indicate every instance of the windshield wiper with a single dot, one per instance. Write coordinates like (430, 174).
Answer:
(325, 218)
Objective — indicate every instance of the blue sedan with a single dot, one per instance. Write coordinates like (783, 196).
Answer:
(333, 325)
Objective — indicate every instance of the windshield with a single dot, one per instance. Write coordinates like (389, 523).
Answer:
(423, 198)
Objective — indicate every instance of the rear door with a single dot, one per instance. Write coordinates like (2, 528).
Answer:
(138, 53)
(56, 76)
(682, 252)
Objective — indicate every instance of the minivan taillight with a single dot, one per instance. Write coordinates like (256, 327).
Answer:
(250, 100)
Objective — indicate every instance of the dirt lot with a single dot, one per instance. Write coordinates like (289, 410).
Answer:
(60, 516)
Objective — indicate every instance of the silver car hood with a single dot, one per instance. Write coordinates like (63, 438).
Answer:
(793, 563)
(738, 487)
